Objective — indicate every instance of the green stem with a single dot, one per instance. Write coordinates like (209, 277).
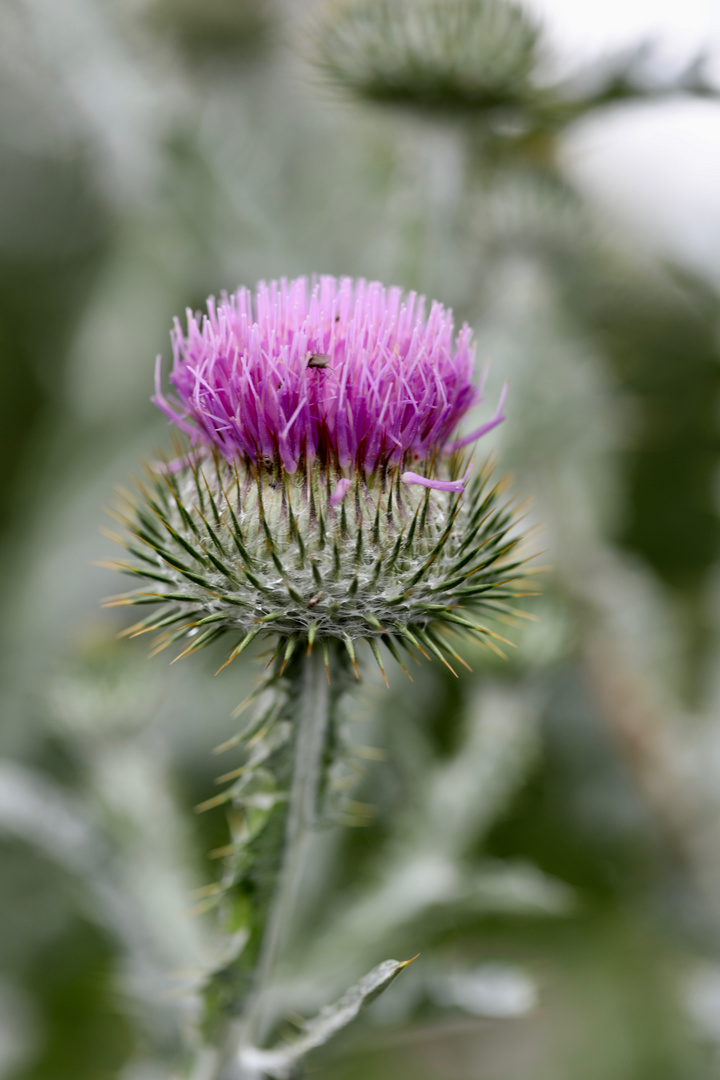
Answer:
(309, 706)
(313, 716)
(269, 868)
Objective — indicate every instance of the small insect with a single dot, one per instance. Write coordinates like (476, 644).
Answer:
(315, 600)
(318, 360)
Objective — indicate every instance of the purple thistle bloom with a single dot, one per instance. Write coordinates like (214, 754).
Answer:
(337, 370)
(325, 497)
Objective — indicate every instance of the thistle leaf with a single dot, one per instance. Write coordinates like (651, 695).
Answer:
(281, 1061)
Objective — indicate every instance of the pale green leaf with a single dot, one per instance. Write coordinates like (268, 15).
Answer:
(281, 1061)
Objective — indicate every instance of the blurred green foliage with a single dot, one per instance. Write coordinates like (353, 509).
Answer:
(54, 238)
(220, 28)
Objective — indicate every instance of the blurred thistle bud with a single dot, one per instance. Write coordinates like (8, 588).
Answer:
(323, 497)
(442, 55)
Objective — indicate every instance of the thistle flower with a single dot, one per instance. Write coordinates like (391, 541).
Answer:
(324, 496)
(347, 374)
(445, 55)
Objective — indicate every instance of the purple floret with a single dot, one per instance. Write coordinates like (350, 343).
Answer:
(340, 370)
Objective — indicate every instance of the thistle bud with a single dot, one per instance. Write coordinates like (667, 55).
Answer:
(324, 495)
(448, 55)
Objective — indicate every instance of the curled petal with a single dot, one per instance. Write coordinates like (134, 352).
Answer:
(437, 485)
(340, 491)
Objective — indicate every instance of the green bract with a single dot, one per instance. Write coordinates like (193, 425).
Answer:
(235, 548)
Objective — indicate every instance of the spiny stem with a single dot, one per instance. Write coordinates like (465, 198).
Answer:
(313, 702)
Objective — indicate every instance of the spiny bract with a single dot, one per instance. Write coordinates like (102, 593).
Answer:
(228, 549)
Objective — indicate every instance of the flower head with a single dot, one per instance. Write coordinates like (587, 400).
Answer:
(346, 372)
(295, 510)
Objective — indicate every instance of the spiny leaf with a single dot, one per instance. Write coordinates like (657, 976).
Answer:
(281, 1061)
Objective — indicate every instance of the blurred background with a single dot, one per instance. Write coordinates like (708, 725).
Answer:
(545, 831)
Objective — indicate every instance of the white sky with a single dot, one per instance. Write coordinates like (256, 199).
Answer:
(656, 168)
(587, 27)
